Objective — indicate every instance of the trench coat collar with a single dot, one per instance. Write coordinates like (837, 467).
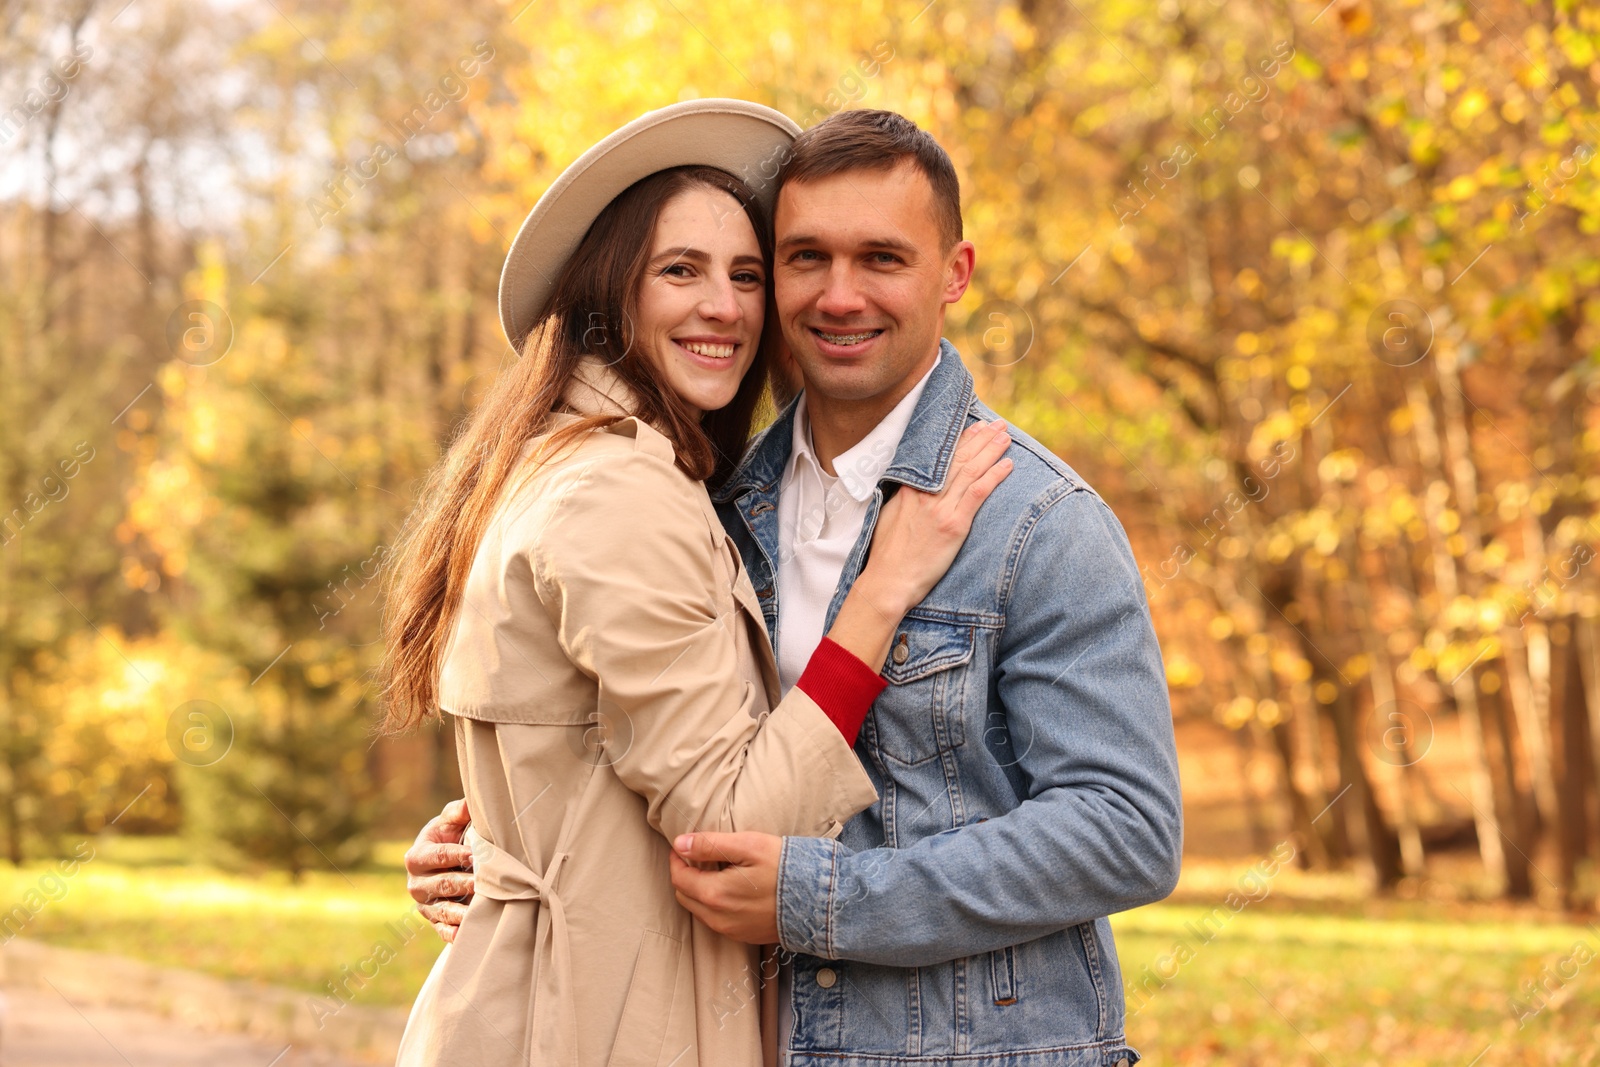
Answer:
(596, 389)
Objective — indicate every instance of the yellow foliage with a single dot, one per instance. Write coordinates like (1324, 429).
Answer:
(1183, 672)
(110, 701)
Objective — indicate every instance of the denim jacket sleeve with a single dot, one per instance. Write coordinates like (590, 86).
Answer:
(1098, 829)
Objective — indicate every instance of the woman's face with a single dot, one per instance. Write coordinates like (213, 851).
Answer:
(703, 297)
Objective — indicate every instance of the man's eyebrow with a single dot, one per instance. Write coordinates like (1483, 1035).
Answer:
(875, 244)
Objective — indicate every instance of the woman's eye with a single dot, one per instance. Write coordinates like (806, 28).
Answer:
(676, 270)
(747, 278)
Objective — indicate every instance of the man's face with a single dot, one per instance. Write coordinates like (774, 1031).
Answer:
(861, 279)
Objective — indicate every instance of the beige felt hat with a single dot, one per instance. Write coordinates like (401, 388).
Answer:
(747, 140)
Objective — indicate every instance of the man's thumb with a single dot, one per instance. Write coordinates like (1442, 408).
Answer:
(709, 847)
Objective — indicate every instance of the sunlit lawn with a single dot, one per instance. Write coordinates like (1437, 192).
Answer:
(1312, 974)
(1315, 974)
(136, 898)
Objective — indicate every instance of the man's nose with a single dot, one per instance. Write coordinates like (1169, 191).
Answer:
(840, 294)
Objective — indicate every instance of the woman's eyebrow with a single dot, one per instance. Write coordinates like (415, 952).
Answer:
(683, 252)
(701, 256)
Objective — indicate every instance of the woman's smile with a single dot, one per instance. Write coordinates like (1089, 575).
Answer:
(709, 348)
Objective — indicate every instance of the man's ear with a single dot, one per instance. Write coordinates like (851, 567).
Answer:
(958, 267)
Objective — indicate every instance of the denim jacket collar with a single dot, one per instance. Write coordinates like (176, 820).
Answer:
(921, 461)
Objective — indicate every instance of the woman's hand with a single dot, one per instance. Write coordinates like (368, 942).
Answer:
(918, 534)
(439, 869)
(916, 539)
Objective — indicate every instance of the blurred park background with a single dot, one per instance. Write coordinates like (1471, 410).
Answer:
(1310, 294)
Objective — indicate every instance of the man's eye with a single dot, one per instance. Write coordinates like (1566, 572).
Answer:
(884, 259)
(806, 256)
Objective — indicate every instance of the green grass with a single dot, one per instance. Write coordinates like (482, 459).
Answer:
(1314, 974)
(143, 899)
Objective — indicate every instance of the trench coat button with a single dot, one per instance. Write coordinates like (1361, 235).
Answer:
(826, 977)
(902, 651)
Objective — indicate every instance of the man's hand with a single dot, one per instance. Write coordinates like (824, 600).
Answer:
(740, 900)
(439, 869)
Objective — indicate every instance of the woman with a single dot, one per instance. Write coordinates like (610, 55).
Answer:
(566, 592)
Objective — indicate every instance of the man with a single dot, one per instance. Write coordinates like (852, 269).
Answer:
(1023, 751)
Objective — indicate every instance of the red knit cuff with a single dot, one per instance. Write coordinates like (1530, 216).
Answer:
(843, 686)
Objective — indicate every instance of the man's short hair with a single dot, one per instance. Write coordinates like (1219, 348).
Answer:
(865, 139)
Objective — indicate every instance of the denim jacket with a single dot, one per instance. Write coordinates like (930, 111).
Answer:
(1027, 777)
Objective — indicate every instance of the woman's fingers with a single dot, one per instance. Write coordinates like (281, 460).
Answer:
(972, 441)
(979, 490)
(990, 450)
(979, 449)
(970, 438)
(445, 917)
(975, 437)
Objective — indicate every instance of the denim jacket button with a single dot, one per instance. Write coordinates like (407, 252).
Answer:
(902, 651)
(826, 977)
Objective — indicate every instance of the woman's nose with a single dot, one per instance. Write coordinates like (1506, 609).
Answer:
(720, 303)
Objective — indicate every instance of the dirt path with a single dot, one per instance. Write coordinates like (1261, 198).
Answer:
(42, 1029)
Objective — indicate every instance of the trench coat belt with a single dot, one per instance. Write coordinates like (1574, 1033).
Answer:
(499, 875)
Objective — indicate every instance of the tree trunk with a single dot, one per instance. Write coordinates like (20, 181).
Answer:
(1380, 681)
(1482, 797)
(9, 815)
(1260, 836)
(1314, 850)
(1382, 849)
(1528, 685)
(1517, 817)
(1569, 728)
(10, 741)
(1588, 651)
(1464, 686)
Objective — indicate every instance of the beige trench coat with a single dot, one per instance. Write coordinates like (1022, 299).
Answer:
(609, 681)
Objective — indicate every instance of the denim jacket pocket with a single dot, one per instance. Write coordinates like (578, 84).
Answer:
(920, 714)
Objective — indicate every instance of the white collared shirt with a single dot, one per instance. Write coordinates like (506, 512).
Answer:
(819, 519)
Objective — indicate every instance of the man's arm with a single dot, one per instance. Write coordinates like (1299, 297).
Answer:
(1099, 830)
(439, 869)
(1079, 677)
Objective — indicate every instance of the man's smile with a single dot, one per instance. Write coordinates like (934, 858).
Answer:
(847, 338)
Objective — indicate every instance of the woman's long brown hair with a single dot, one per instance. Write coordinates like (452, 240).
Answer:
(590, 311)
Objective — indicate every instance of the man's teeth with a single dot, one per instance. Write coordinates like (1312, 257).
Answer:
(848, 338)
(701, 348)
